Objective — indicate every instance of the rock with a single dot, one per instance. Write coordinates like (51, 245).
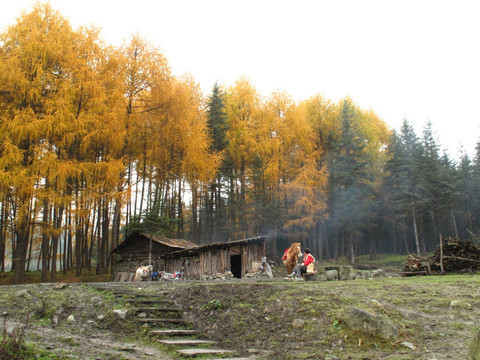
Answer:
(474, 348)
(379, 273)
(298, 323)
(359, 319)
(60, 286)
(22, 294)
(71, 319)
(408, 345)
(121, 313)
(12, 330)
(268, 270)
(100, 317)
(460, 304)
(331, 274)
(366, 275)
(347, 273)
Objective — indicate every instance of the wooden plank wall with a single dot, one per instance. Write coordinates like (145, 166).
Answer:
(217, 260)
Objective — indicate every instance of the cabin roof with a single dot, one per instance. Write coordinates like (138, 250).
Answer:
(179, 244)
(221, 245)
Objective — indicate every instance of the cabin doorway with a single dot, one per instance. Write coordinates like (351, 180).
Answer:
(236, 265)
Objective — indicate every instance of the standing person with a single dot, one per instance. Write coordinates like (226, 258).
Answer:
(300, 269)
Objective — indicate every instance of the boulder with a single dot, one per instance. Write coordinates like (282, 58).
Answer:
(366, 275)
(22, 294)
(331, 274)
(379, 273)
(60, 286)
(460, 304)
(362, 320)
(121, 313)
(298, 323)
(347, 273)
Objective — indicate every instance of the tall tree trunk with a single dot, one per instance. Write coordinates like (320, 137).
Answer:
(180, 210)
(3, 230)
(328, 254)
(45, 241)
(57, 221)
(434, 228)
(318, 242)
(351, 248)
(335, 246)
(144, 177)
(373, 247)
(116, 222)
(105, 238)
(195, 233)
(417, 242)
(98, 236)
(243, 199)
(454, 222)
(20, 250)
(394, 234)
(78, 247)
(405, 239)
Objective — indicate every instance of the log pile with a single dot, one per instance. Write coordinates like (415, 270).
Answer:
(451, 256)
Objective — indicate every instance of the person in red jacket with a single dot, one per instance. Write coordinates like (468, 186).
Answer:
(302, 268)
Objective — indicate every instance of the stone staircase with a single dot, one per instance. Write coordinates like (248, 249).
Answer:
(166, 324)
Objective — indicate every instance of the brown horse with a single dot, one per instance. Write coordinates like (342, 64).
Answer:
(292, 255)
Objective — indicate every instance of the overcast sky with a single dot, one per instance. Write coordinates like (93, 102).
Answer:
(417, 60)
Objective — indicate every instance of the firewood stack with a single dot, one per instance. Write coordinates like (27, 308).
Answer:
(454, 255)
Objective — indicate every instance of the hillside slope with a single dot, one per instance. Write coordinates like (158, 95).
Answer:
(267, 319)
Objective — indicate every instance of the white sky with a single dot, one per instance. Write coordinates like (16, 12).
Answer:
(413, 59)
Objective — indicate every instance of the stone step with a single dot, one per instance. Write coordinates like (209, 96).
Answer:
(162, 309)
(185, 342)
(150, 302)
(137, 295)
(154, 320)
(174, 332)
(234, 358)
(197, 352)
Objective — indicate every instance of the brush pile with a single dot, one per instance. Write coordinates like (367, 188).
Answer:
(452, 256)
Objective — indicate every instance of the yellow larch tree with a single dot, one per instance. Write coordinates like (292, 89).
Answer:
(36, 55)
(148, 92)
(305, 181)
(242, 107)
(99, 106)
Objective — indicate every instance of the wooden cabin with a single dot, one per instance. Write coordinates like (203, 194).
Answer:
(239, 257)
(145, 249)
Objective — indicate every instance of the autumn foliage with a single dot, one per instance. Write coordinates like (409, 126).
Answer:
(96, 141)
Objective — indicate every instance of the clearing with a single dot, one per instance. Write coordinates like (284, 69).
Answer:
(252, 317)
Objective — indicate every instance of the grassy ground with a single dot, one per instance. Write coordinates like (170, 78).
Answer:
(255, 317)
